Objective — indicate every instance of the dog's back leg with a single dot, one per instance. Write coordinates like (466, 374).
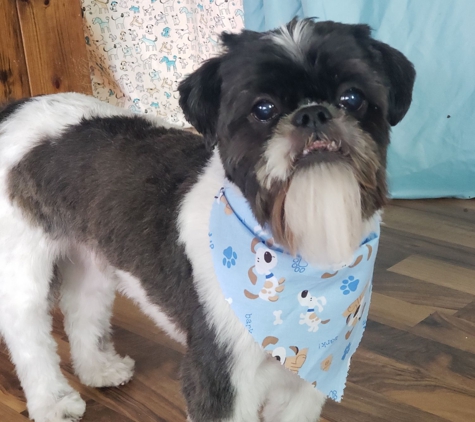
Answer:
(26, 269)
(87, 295)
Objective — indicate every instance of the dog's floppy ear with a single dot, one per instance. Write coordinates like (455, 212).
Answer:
(200, 96)
(401, 75)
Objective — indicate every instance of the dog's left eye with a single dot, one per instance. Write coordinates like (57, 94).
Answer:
(264, 110)
(352, 99)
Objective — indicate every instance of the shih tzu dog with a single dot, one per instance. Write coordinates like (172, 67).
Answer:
(295, 127)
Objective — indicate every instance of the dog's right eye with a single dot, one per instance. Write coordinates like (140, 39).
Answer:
(267, 257)
(264, 111)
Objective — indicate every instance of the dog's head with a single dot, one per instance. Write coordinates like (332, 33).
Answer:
(301, 117)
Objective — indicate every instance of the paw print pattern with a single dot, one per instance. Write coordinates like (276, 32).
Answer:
(230, 257)
(349, 285)
(299, 265)
(347, 350)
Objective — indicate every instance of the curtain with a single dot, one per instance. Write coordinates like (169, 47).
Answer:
(139, 50)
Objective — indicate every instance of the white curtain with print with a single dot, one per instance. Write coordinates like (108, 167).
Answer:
(139, 50)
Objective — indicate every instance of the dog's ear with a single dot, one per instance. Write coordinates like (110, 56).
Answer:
(401, 76)
(200, 96)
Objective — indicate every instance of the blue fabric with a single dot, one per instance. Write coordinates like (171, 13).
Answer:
(432, 154)
(310, 319)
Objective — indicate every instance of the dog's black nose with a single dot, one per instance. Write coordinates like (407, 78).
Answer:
(311, 116)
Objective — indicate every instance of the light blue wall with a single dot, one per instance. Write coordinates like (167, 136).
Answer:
(431, 155)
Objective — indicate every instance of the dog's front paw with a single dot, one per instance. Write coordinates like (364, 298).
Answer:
(69, 408)
(297, 401)
(114, 371)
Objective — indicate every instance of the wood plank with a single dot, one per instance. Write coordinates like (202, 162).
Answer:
(448, 330)
(467, 313)
(54, 45)
(419, 292)
(453, 407)
(397, 245)
(437, 272)
(410, 385)
(127, 315)
(453, 209)
(431, 225)
(397, 313)
(360, 404)
(13, 70)
(7, 414)
(448, 365)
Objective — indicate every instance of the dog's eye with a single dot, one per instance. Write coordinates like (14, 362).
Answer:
(267, 257)
(279, 354)
(352, 99)
(304, 294)
(264, 110)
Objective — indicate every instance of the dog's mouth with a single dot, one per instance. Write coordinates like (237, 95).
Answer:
(321, 149)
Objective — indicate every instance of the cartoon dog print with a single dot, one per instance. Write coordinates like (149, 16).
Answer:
(310, 317)
(167, 83)
(265, 261)
(103, 25)
(166, 48)
(161, 18)
(168, 5)
(122, 36)
(292, 363)
(136, 21)
(149, 43)
(113, 6)
(354, 312)
(112, 52)
(170, 63)
(154, 76)
(149, 28)
(133, 34)
(223, 6)
(101, 5)
(148, 10)
(127, 51)
(119, 21)
(182, 48)
(188, 13)
(148, 62)
(134, 9)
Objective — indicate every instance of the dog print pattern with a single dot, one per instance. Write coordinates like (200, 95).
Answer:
(173, 37)
(310, 319)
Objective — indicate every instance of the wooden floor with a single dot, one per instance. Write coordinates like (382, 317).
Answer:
(416, 362)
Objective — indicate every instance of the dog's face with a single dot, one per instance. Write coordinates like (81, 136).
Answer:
(301, 117)
(265, 261)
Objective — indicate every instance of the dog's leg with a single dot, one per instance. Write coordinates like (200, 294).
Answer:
(26, 267)
(290, 398)
(87, 296)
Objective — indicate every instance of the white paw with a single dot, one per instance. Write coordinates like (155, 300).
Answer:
(69, 408)
(112, 372)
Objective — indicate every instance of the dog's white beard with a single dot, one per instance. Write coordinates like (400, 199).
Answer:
(323, 213)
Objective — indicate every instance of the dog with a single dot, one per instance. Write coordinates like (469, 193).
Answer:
(265, 262)
(310, 318)
(94, 199)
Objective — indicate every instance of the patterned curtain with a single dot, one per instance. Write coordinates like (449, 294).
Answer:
(139, 50)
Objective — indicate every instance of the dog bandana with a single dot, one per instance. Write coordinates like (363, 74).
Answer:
(309, 319)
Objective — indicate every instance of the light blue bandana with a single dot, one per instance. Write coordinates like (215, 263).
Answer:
(311, 320)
